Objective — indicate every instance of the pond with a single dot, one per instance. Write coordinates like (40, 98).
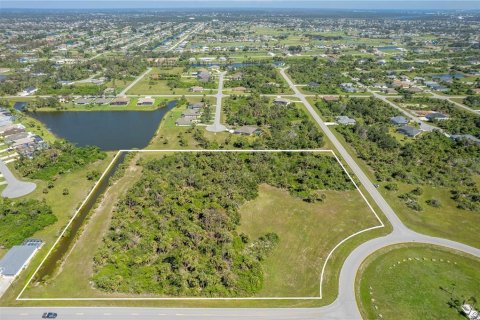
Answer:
(109, 130)
(388, 48)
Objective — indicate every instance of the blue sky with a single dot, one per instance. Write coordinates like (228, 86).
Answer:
(338, 4)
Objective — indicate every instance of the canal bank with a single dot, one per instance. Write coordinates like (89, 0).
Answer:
(68, 236)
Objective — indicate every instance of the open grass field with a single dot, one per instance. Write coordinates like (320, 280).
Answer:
(405, 282)
(307, 232)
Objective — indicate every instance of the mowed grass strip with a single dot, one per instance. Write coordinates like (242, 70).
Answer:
(308, 232)
(405, 282)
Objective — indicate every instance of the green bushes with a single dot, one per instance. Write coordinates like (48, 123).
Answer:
(60, 158)
(175, 231)
(283, 127)
(21, 219)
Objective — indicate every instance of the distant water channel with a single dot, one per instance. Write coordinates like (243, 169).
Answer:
(109, 130)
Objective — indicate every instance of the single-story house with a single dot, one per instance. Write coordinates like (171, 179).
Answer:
(83, 101)
(10, 126)
(196, 89)
(237, 76)
(399, 121)
(12, 131)
(196, 106)
(204, 76)
(20, 106)
(16, 136)
(414, 90)
(247, 130)
(345, 120)
(103, 100)
(120, 101)
(330, 98)
(348, 87)
(313, 84)
(390, 91)
(436, 116)
(183, 122)
(281, 101)
(239, 89)
(466, 137)
(191, 113)
(28, 91)
(409, 131)
(18, 257)
(147, 101)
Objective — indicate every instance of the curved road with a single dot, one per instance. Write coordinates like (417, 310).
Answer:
(344, 307)
(15, 188)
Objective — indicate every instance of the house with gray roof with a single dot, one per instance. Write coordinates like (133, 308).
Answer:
(399, 121)
(181, 122)
(345, 120)
(465, 137)
(247, 130)
(18, 257)
(83, 101)
(103, 100)
(409, 131)
(436, 116)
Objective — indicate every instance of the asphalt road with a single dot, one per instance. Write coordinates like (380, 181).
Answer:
(15, 188)
(140, 77)
(344, 307)
(423, 125)
(217, 126)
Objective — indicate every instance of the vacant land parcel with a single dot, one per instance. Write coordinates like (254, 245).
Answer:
(209, 225)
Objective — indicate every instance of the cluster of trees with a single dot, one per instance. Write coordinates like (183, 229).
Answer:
(38, 103)
(432, 159)
(21, 219)
(61, 157)
(123, 67)
(459, 122)
(175, 230)
(261, 78)
(472, 102)
(327, 76)
(284, 127)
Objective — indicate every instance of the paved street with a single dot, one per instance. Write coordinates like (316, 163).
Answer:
(15, 188)
(140, 77)
(217, 126)
(423, 125)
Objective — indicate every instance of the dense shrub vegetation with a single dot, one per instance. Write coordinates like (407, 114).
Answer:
(327, 76)
(60, 158)
(174, 233)
(21, 219)
(283, 127)
(472, 102)
(261, 78)
(431, 159)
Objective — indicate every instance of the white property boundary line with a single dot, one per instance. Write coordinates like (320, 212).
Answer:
(381, 225)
